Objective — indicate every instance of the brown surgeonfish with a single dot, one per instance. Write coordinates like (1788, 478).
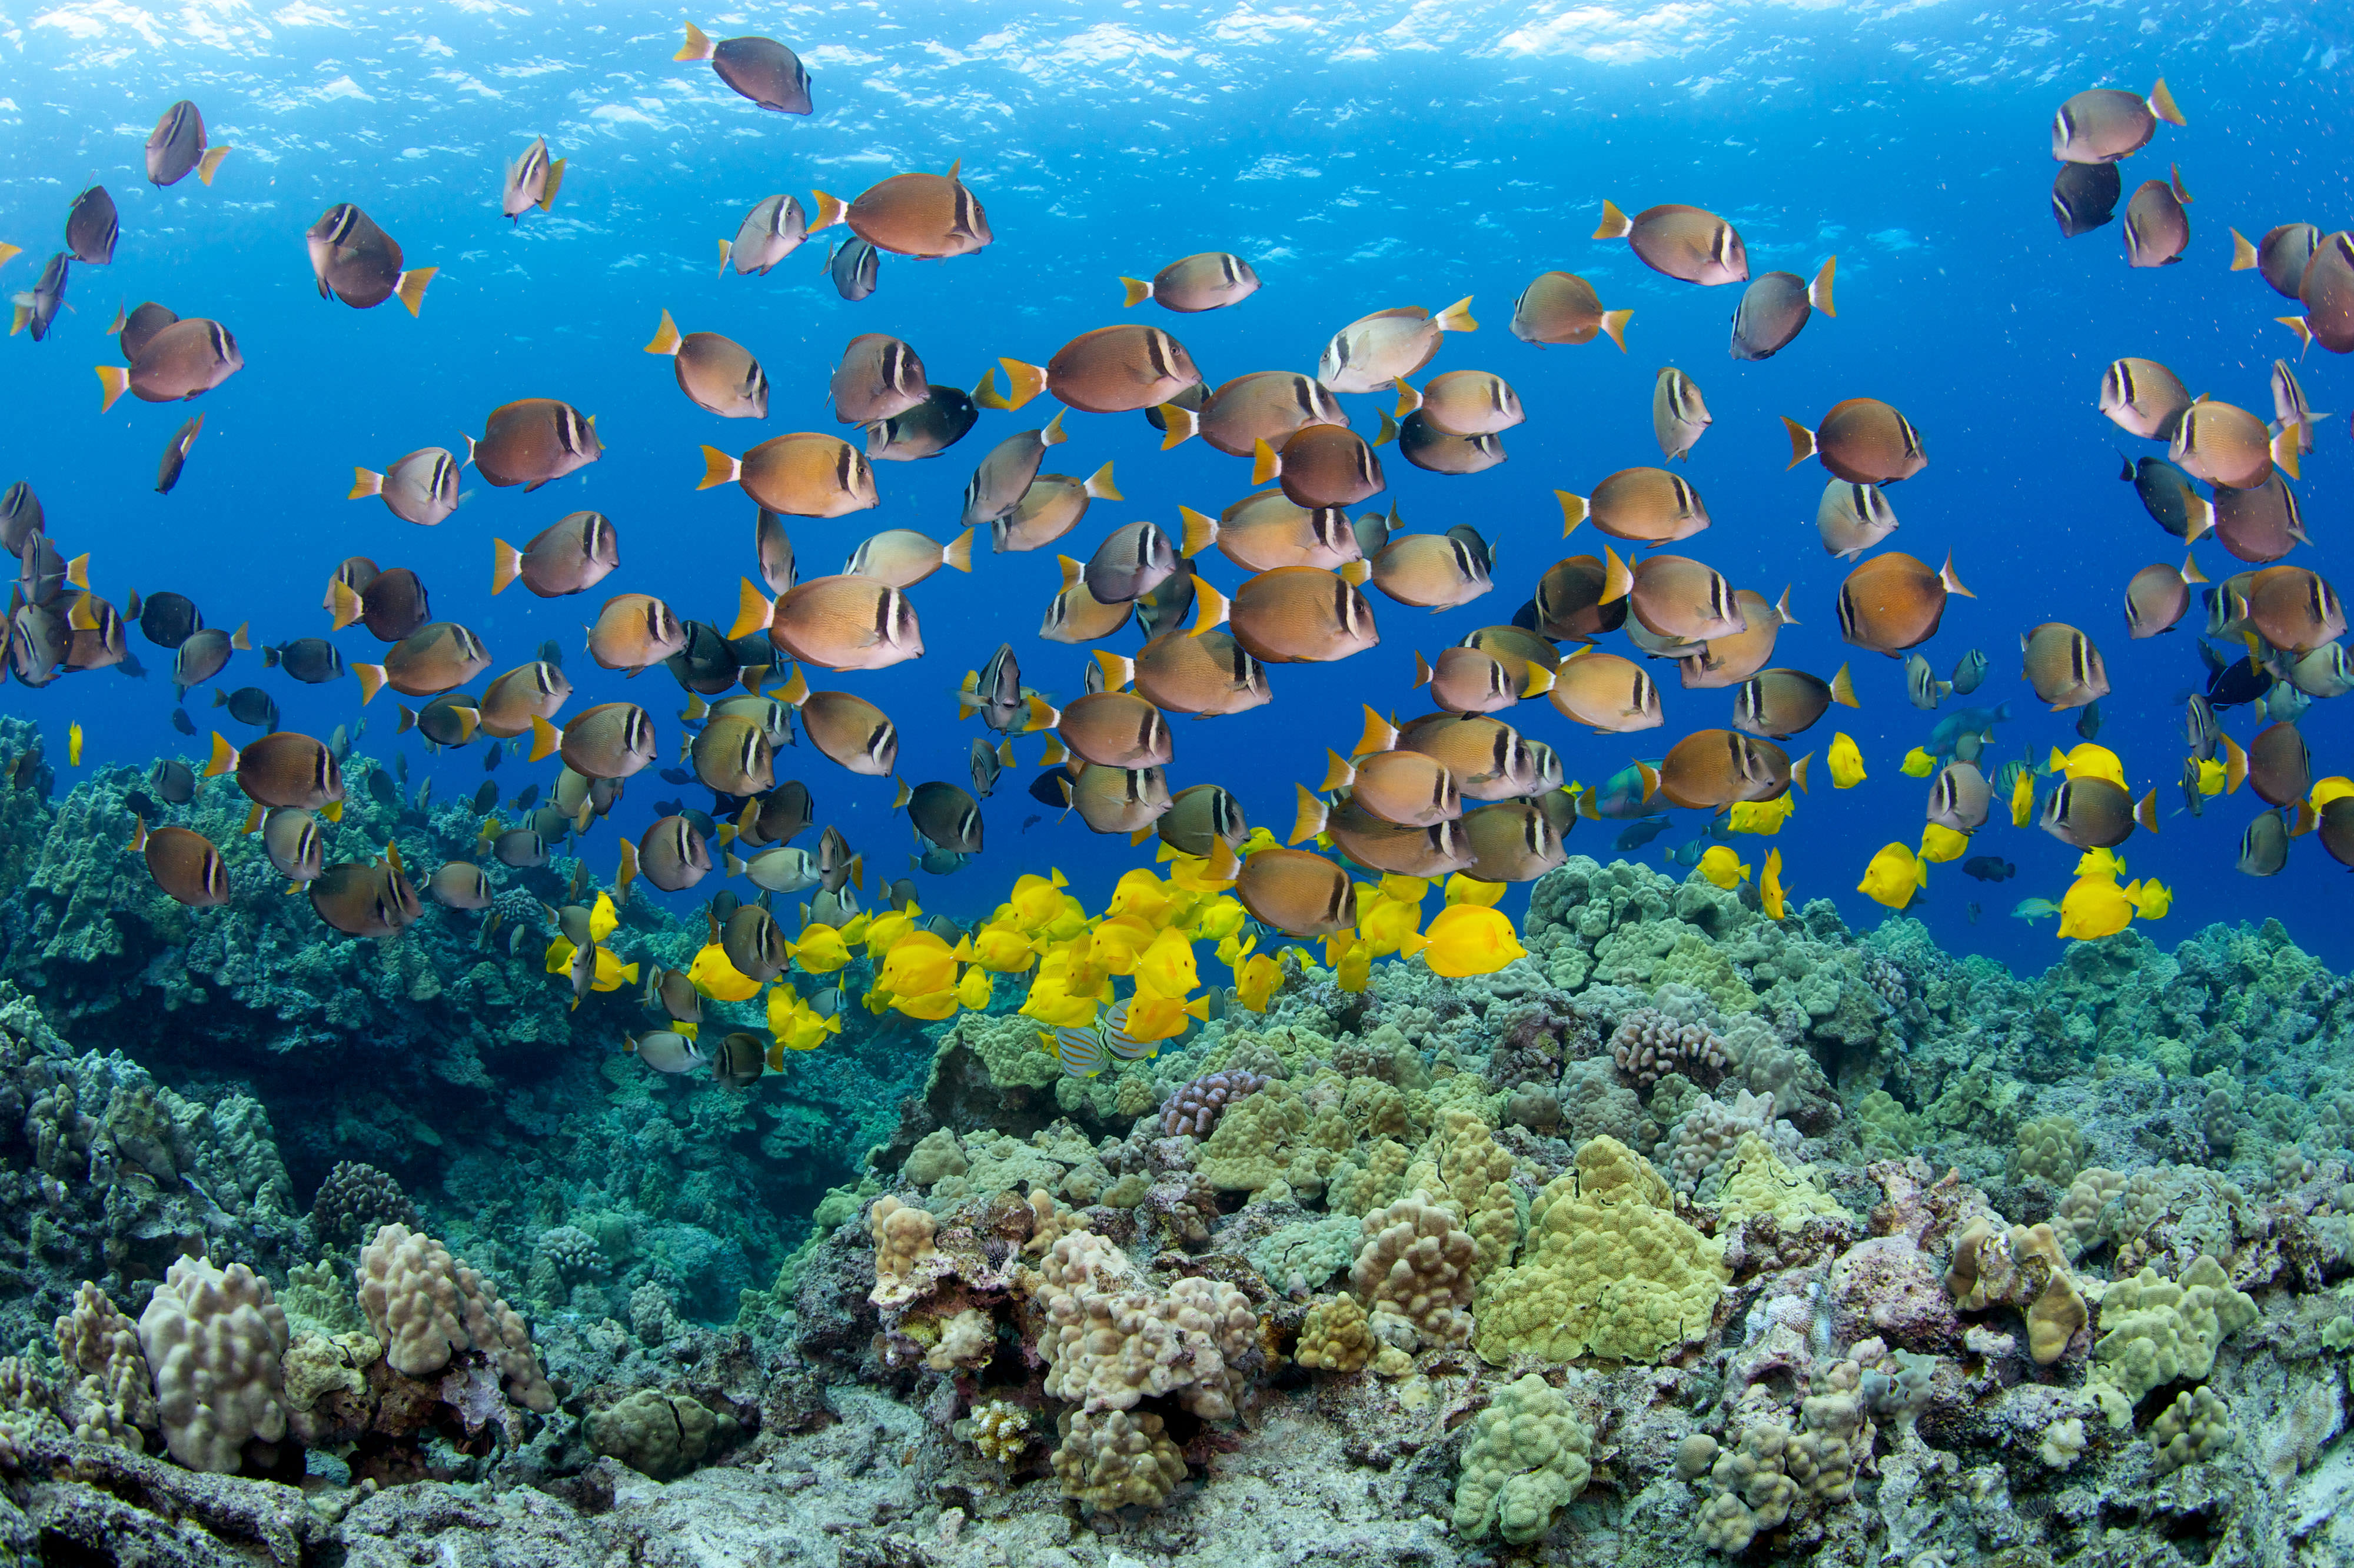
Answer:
(533, 441)
(671, 854)
(878, 377)
(1298, 893)
(772, 552)
(2294, 609)
(1076, 615)
(1267, 406)
(2337, 830)
(2104, 124)
(1779, 703)
(360, 264)
(459, 885)
(2289, 407)
(95, 636)
(280, 768)
(1005, 476)
(1208, 675)
(2327, 291)
(1268, 529)
(1468, 681)
(1433, 451)
(1960, 797)
(1712, 769)
(1373, 351)
(1206, 281)
(1614, 696)
(366, 899)
(1852, 518)
(1645, 505)
(1431, 571)
(1120, 799)
(913, 213)
(718, 373)
(761, 70)
(771, 231)
(177, 147)
(609, 740)
(92, 227)
(1581, 597)
(801, 475)
(1410, 789)
(1109, 729)
(1053, 505)
(438, 656)
(1489, 758)
(1679, 415)
(849, 731)
(2157, 229)
(846, 623)
(176, 455)
(946, 817)
(531, 181)
(2229, 447)
(2157, 595)
(2280, 767)
(204, 653)
(2094, 814)
(1134, 559)
(732, 755)
(904, 557)
(928, 430)
(450, 719)
(528, 692)
(1114, 369)
(1682, 242)
(2280, 257)
(1677, 598)
(2144, 398)
(1776, 308)
(1463, 403)
(1894, 602)
(419, 487)
(2260, 524)
(1515, 840)
(771, 717)
(1563, 308)
(2063, 666)
(1862, 439)
(186, 359)
(1201, 818)
(2085, 196)
(2263, 847)
(184, 863)
(1321, 465)
(1293, 615)
(1435, 851)
(571, 555)
(634, 632)
(132, 331)
(755, 943)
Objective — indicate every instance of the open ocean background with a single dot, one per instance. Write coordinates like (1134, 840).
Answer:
(1360, 156)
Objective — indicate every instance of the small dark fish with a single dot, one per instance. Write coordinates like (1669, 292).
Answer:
(181, 721)
(2232, 682)
(523, 800)
(92, 226)
(128, 665)
(676, 775)
(174, 780)
(853, 267)
(168, 619)
(176, 455)
(1972, 909)
(1637, 834)
(761, 70)
(1031, 822)
(2088, 723)
(552, 653)
(382, 789)
(1989, 868)
(486, 799)
(38, 307)
(492, 755)
(249, 704)
(1051, 788)
(313, 661)
(2085, 196)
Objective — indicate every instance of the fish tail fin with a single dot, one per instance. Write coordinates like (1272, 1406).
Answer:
(365, 482)
(985, 394)
(1613, 224)
(2244, 255)
(1340, 772)
(1118, 669)
(1210, 606)
(269, 654)
(1618, 581)
(138, 833)
(555, 183)
(1053, 435)
(239, 640)
(220, 698)
(344, 605)
(1457, 317)
(2294, 323)
(1389, 428)
(2145, 810)
(2190, 572)
(407, 719)
(210, 164)
(794, 692)
(666, 339)
(698, 45)
(2174, 178)
(959, 553)
(1538, 682)
(1042, 715)
(1802, 442)
(506, 565)
(2235, 765)
(1408, 399)
(1953, 584)
(1139, 290)
(1358, 573)
(1099, 486)
(2161, 103)
(1005, 752)
(1054, 754)
(1265, 464)
(1844, 689)
(1798, 774)
(719, 468)
(1022, 381)
(371, 679)
(1573, 510)
(77, 574)
(2203, 519)
(1422, 673)
(2286, 447)
(1309, 821)
(115, 379)
(1615, 324)
(1380, 735)
(753, 610)
(1818, 292)
(1178, 425)
(411, 287)
(1782, 607)
(830, 209)
(224, 757)
(904, 794)
(726, 248)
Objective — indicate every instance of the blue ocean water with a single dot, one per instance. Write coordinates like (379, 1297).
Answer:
(1360, 156)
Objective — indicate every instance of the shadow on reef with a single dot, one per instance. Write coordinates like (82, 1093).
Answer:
(1691, 1237)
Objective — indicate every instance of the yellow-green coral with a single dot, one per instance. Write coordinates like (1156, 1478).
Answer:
(1607, 1269)
(1335, 1336)
(1524, 1458)
(2156, 1331)
(1758, 1181)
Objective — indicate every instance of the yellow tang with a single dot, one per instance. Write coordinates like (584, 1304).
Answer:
(2156, 899)
(1462, 889)
(1894, 874)
(821, 950)
(2095, 906)
(919, 965)
(1847, 762)
(720, 981)
(1721, 865)
(559, 956)
(1762, 816)
(1354, 973)
(1221, 919)
(2336, 787)
(1150, 1019)
(1166, 966)
(1002, 950)
(1470, 940)
(2023, 799)
(2101, 863)
(2086, 761)
(1036, 900)
(1769, 887)
(1940, 843)
(1255, 981)
(1415, 889)
(612, 974)
(73, 745)
(1388, 926)
(1919, 764)
(1143, 895)
(974, 990)
(603, 918)
(931, 1007)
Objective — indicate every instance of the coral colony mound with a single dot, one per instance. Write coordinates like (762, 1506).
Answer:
(1688, 1236)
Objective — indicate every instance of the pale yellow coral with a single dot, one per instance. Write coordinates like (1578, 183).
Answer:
(1415, 1266)
(1335, 1336)
(1758, 1181)
(1524, 1458)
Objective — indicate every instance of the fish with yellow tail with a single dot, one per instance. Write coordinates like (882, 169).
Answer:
(1470, 940)
(1724, 866)
(1893, 876)
(1771, 895)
